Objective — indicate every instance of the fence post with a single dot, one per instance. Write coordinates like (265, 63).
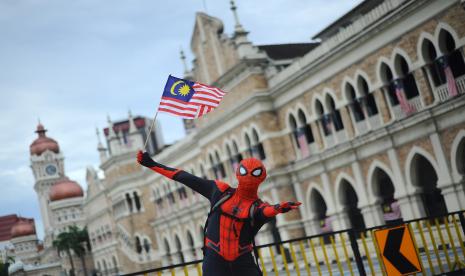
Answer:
(357, 256)
(462, 221)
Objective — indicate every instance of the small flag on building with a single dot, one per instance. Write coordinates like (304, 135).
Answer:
(188, 99)
(451, 85)
(302, 141)
(406, 107)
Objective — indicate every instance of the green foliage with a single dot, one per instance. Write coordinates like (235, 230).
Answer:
(75, 240)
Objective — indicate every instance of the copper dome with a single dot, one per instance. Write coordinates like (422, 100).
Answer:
(65, 189)
(43, 143)
(24, 227)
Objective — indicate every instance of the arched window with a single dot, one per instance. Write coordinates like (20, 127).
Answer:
(234, 156)
(453, 55)
(383, 189)
(115, 264)
(349, 199)
(138, 245)
(248, 144)
(167, 251)
(302, 133)
(406, 78)
(326, 120)
(190, 241)
(137, 201)
(146, 245)
(432, 66)
(319, 210)
(216, 166)
(169, 193)
(367, 98)
(424, 176)
(390, 87)
(334, 114)
(179, 249)
(354, 103)
(129, 200)
(257, 146)
(105, 268)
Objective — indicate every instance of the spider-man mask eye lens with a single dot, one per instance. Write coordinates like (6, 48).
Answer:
(242, 170)
(257, 172)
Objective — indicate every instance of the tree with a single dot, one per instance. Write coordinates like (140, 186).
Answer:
(75, 240)
(80, 242)
(63, 243)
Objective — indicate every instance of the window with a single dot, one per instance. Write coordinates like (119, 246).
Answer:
(129, 201)
(137, 201)
(257, 146)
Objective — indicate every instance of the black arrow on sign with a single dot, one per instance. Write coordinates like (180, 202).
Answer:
(392, 252)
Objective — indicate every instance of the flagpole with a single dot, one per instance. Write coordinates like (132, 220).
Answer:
(150, 130)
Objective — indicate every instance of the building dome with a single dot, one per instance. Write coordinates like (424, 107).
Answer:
(65, 189)
(43, 143)
(23, 227)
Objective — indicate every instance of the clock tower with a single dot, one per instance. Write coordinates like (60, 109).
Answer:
(48, 167)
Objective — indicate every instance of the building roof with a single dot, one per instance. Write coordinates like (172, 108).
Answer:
(43, 143)
(349, 17)
(124, 125)
(6, 223)
(65, 189)
(287, 51)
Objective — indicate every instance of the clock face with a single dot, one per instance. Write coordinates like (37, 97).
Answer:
(50, 169)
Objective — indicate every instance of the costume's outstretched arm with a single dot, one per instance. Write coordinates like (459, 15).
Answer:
(284, 207)
(200, 185)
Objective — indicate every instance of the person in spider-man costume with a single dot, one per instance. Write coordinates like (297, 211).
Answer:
(228, 243)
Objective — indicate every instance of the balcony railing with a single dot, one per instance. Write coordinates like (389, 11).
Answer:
(375, 121)
(362, 127)
(441, 93)
(414, 102)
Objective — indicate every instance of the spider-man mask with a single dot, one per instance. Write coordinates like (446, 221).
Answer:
(250, 174)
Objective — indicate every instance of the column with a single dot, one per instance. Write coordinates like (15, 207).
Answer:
(424, 86)
(372, 214)
(410, 203)
(316, 130)
(453, 193)
(312, 226)
(346, 120)
(381, 103)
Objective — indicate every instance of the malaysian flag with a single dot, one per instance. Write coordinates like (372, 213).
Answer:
(327, 124)
(406, 107)
(302, 141)
(451, 85)
(188, 99)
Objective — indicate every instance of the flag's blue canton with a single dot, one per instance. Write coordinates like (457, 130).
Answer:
(173, 86)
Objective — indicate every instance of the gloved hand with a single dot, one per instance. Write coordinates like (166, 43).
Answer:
(283, 207)
(145, 160)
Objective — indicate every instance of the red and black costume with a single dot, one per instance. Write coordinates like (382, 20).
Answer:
(233, 225)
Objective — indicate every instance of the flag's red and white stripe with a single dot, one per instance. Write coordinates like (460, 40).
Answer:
(205, 99)
(451, 85)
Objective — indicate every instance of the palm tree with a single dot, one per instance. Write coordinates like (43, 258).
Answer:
(63, 243)
(80, 242)
(74, 239)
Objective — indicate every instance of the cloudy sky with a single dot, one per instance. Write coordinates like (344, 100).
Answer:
(72, 63)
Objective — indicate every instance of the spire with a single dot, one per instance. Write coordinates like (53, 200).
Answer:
(99, 145)
(238, 27)
(183, 59)
(111, 131)
(132, 125)
(101, 149)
